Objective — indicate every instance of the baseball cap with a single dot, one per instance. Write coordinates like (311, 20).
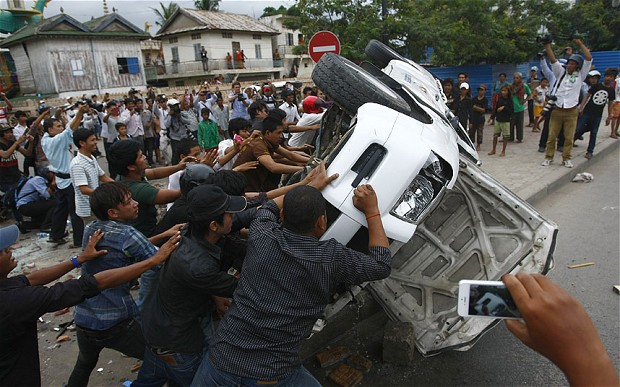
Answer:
(534, 68)
(482, 87)
(464, 85)
(8, 236)
(267, 88)
(208, 201)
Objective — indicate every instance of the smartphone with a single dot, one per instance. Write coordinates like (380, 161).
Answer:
(489, 299)
(238, 139)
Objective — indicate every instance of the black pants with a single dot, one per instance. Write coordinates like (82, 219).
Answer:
(530, 111)
(29, 162)
(125, 337)
(544, 135)
(516, 126)
(64, 208)
(149, 149)
(40, 212)
(174, 144)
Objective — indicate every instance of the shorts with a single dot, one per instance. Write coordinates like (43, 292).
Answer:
(502, 128)
(615, 111)
(538, 110)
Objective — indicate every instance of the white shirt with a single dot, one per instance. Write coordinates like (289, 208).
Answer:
(541, 94)
(84, 171)
(19, 130)
(570, 85)
(292, 114)
(133, 122)
(174, 182)
(221, 151)
(302, 138)
(617, 89)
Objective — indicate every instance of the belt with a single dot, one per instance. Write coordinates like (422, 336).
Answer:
(62, 175)
(108, 332)
(560, 108)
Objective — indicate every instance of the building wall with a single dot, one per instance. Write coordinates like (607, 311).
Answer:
(22, 68)
(216, 45)
(63, 65)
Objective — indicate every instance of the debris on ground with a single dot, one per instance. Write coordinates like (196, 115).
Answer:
(583, 177)
(346, 376)
(577, 266)
(617, 289)
(63, 338)
(333, 356)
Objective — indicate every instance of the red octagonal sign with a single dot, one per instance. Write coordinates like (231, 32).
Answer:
(322, 42)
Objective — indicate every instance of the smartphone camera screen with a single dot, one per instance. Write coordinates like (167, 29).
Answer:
(491, 301)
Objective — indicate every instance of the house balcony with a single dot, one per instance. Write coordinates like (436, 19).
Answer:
(175, 70)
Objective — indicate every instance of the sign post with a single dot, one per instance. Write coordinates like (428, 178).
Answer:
(321, 43)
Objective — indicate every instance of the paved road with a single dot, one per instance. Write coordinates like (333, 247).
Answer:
(588, 217)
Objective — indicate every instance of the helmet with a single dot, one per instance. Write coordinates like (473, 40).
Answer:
(172, 102)
(594, 73)
(194, 175)
(578, 59)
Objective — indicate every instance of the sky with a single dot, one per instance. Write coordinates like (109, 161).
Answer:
(139, 11)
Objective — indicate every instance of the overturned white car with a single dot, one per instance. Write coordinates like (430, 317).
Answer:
(446, 218)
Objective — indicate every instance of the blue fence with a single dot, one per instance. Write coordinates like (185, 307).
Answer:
(488, 74)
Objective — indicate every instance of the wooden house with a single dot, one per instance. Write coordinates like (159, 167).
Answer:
(60, 55)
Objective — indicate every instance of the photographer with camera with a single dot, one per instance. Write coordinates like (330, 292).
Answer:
(132, 118)
(564, 115)
(239, 102)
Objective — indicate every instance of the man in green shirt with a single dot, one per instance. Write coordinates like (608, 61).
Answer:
(127, 160)
(521, 93)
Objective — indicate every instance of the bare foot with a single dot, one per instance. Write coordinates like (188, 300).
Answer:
(491, 153)
(478, 147)
(503, 154)
(614, 136)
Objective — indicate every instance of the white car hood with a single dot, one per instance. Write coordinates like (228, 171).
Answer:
(408, 143)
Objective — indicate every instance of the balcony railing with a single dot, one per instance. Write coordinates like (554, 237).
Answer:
(215, 66)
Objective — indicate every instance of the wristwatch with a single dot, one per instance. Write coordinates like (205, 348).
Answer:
(75, 262)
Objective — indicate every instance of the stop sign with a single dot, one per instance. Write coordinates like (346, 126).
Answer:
(322, 42)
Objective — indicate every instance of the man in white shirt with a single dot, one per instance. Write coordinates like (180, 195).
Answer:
(565, 113)
(131, 117)
(308, 124)
(86, 174)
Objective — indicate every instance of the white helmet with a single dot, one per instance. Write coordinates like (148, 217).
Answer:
(171, 102)
(594, 73)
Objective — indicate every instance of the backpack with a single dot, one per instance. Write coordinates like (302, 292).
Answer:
(9, 201)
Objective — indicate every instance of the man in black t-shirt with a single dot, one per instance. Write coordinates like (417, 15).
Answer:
(479, 106)
(592, 106)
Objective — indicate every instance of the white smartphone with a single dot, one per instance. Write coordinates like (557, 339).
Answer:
(489, 299)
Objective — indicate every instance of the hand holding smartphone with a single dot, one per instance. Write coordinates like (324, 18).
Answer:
(489, 299)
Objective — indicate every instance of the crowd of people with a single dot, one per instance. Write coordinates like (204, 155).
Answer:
(568, 100)
(232, 231)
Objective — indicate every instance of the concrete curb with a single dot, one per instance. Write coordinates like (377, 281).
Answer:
(538, 191)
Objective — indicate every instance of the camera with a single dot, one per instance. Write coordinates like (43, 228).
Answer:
(240, 97)
(549, 105)
(544, 39)
(541, 54)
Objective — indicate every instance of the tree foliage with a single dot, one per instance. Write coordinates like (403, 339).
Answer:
(164, 12)
(207, 5)
(459, 31)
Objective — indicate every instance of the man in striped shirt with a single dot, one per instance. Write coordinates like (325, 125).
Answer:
(288, 277)
(86, 174)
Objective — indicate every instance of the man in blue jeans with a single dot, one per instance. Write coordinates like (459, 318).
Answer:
(288, 277)
(592, 106)
(110, 319)
(176, 319)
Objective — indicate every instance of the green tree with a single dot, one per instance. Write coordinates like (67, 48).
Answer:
(207, 5)
(270, 11)
(164, 12)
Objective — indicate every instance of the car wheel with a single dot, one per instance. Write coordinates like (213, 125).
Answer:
(380, 54)
(350, 86)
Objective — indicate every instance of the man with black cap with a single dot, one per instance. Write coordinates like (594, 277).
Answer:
(24, 298)
(176, 320)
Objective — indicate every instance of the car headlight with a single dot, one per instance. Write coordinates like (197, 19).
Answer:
(414, 200)
(422, 191)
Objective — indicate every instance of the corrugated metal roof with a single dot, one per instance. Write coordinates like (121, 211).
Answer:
(219, 20)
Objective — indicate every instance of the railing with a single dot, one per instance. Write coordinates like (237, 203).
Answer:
(214, 66)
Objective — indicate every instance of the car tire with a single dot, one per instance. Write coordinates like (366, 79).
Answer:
(381, 54)
(350, 86)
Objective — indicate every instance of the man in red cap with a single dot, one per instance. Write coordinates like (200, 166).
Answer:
(303, 133)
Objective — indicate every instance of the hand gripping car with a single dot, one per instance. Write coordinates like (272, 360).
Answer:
(446, 218)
